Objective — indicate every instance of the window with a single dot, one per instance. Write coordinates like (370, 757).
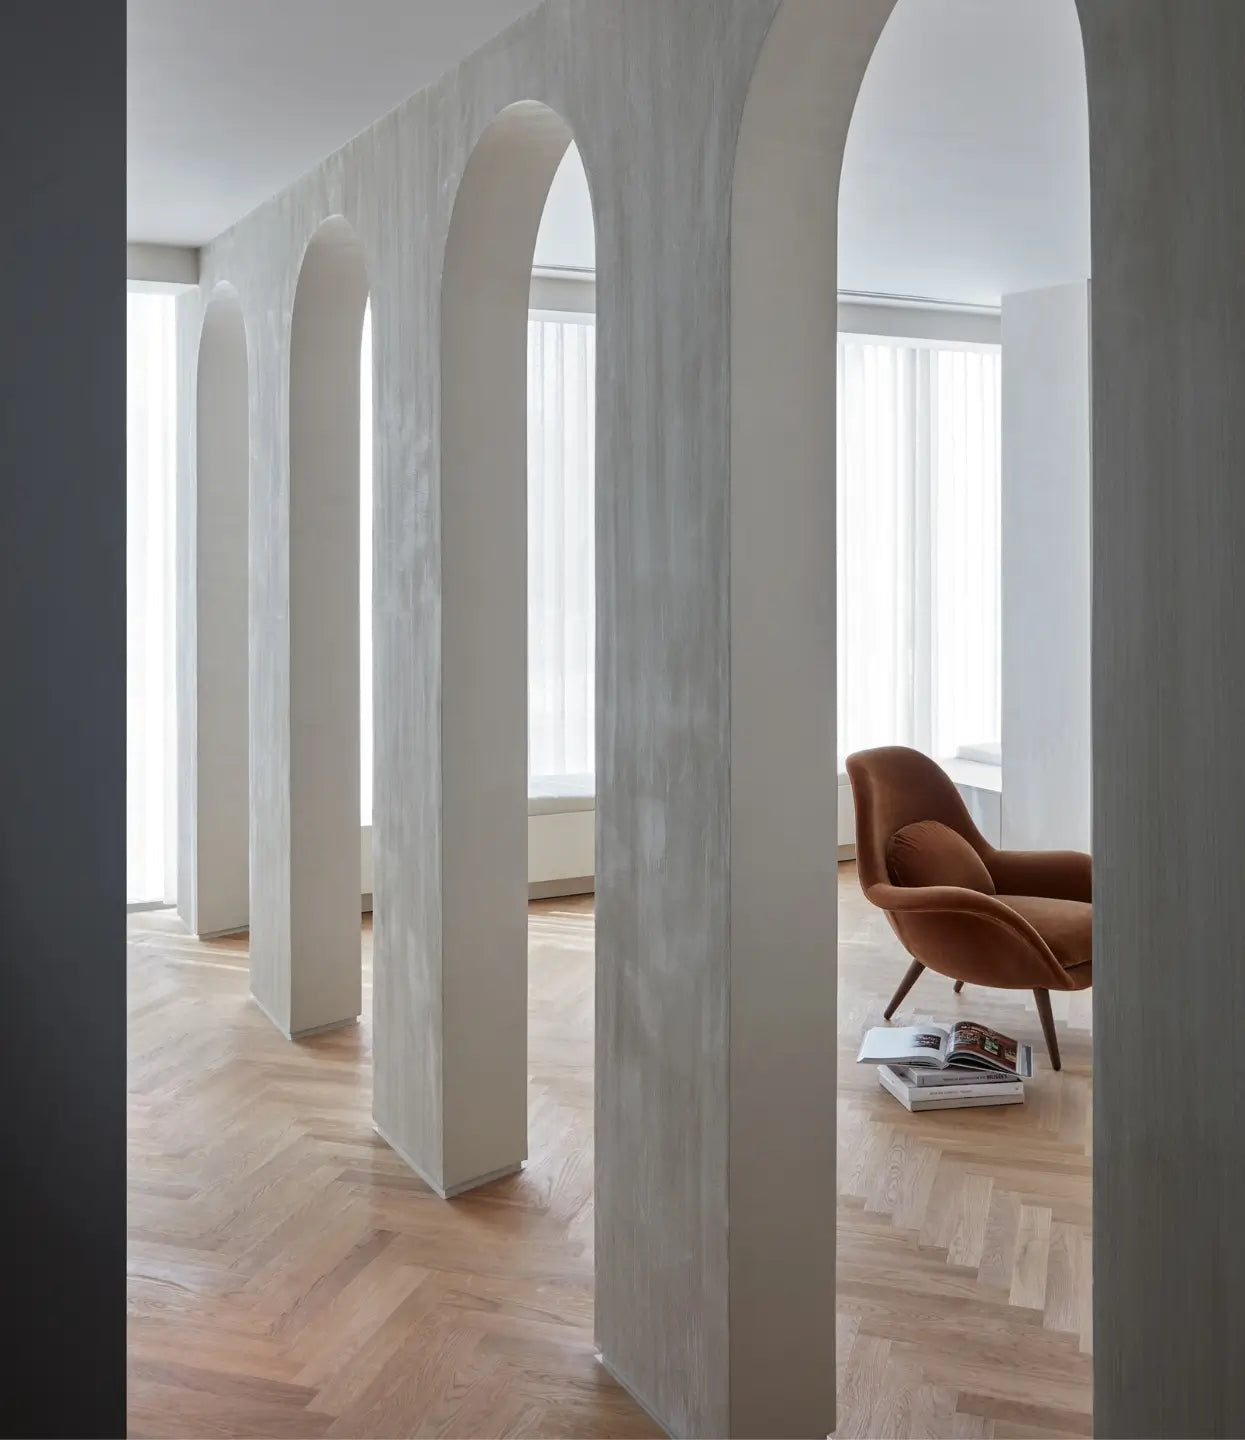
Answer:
(918, 545)
(561, 420)
(151, 717)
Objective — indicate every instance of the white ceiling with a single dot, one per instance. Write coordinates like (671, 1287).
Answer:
(966, 174)
(967, 168)
(231, 100)
(567, 238)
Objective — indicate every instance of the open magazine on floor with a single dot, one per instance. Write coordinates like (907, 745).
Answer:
(966, 1045)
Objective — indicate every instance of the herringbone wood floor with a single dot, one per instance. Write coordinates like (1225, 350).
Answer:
(289, 1276)
(963, 1235)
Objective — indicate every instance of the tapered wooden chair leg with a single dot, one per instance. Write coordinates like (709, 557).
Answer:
(959, 985)
(1048, 1026)
(906, 984)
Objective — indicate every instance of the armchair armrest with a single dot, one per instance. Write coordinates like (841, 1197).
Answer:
(947, 899)
(1055, 874)
(969, 935)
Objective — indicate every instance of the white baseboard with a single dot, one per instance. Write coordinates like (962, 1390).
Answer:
(561, 889)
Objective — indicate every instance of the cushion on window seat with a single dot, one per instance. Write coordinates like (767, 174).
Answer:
(560, 794)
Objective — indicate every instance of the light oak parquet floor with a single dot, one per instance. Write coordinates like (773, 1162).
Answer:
(963, 1235)
(290, 1277)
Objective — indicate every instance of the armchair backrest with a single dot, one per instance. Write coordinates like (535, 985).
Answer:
(894, 786)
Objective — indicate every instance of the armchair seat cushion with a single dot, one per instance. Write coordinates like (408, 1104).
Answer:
(1067, 926)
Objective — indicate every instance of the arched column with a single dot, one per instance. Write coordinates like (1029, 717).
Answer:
(454, 1103)
(213, 875)
(781, 1188)
(316, 983)
(783, 942)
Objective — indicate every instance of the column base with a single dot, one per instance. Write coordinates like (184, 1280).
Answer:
(631, 1390)
(324, 1029)
(302, 1034)
(448, 1192)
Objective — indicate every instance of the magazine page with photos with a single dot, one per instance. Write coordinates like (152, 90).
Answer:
(965, 1045)
(974, 1045)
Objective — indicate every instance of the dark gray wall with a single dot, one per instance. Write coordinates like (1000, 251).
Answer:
(1167, 119)
(62, 715)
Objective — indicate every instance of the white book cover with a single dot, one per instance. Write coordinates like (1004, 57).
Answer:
(953, 1075)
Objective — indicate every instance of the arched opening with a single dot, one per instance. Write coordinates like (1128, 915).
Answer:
(325, 631)
(934, 1192)
(214, 890)
(518, 639)
(964, 232)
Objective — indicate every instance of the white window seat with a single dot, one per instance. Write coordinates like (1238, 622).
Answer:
(561, 834)
(975, 774)
(981, 785)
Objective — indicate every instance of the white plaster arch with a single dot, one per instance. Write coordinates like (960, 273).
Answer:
(783, 923)
(483, 436)
(784, 324)
(213, 886)
(654, 93)
(325, 982)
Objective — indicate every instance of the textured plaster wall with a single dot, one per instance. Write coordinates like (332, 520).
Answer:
(782, 992)
(484, 323)
(1167, 123)
(325, 338)
(653, 92)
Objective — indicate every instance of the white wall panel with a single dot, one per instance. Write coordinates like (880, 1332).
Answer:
(1046, 569)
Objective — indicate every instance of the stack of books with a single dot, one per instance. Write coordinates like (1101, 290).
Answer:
(936, 1067)
(949, 1089)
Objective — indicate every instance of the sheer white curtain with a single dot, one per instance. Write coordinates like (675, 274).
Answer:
(965, 503)
(151, 738)
(918, 544)
(561, 424)
(365, 568)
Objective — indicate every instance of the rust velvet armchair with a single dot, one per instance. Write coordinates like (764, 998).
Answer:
(1017, 920)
